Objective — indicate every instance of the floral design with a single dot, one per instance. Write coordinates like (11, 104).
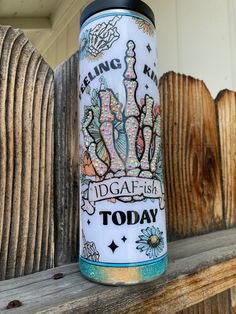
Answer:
(121, 140)
(145, 26)
(89, 250)
(84, 44)
(118, 141)
(151, 242)
(88, 166)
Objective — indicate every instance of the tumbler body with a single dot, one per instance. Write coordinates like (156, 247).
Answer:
(123, 226)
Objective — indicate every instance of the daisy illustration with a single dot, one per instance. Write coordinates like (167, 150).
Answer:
(151, 242)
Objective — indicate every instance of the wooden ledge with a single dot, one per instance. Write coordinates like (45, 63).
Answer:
(199, 268)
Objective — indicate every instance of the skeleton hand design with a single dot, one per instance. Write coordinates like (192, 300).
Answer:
(128, 145)
(103, 36)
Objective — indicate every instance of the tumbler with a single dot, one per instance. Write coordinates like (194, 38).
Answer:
(122, 220)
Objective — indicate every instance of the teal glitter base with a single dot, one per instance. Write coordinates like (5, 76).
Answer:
(150, 272)
(144, 273)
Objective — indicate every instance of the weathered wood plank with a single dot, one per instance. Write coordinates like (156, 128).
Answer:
(233, 300)
(192, 157)
(226, 113)
(26, 111)
(204, 268)
(226, 110)
(67, 161)
(219, 304)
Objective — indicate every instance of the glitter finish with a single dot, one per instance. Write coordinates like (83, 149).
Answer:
(106, 114)
(107, 134)
(123, 231)
(147, 134)
(130, 61)
(148, 120)
(87, 137)
(124, 275)
(99, 165)
(131, 108)
(131, 127)
(157, 129)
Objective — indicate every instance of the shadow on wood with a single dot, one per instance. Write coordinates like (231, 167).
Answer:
(67, 161)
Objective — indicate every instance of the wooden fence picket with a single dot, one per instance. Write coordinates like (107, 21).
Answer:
(198, 147)
(26, 157)
(226, 112)
(39, 181)
(192, 157)
(67, 161)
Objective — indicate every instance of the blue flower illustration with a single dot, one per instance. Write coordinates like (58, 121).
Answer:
(84, 44)
(151, 242)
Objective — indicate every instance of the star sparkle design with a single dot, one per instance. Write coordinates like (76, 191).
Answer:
(149, 48)
(146, 86)
(88, 222)
(113, 246)
(124, 239)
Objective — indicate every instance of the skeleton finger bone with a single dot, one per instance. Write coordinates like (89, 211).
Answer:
(157, 129)
(148, 120)
(132, 128)
(107, 131)
(147, 135)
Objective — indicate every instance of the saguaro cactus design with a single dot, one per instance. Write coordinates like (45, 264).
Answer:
(123, 140)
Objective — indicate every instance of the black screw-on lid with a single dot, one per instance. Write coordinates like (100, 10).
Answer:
(101, 5)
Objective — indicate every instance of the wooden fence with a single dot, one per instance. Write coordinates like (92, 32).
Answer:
(26, 157)
(39, 162)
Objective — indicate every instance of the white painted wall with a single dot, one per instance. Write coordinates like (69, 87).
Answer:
(195, 37)
(198, 37)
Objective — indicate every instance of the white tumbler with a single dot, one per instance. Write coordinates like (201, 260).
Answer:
(123, 225)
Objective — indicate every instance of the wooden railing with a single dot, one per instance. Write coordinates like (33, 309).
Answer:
(39, 193)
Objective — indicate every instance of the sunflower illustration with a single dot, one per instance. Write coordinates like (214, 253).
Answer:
(151, 242)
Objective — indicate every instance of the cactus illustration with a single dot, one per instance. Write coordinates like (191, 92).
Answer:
(123, 140)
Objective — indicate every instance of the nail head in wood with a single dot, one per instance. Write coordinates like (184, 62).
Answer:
(58, 276)
(14, 304)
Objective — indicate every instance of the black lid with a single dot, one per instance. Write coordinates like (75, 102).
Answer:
(101, 5)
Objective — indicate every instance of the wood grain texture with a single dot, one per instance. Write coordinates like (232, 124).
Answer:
(193, 162)
(226, 113)
(226, 110)
(192, 157)
(199, 268)
(26, 158)
(233, 300)
(219, 304)
(67, 162)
